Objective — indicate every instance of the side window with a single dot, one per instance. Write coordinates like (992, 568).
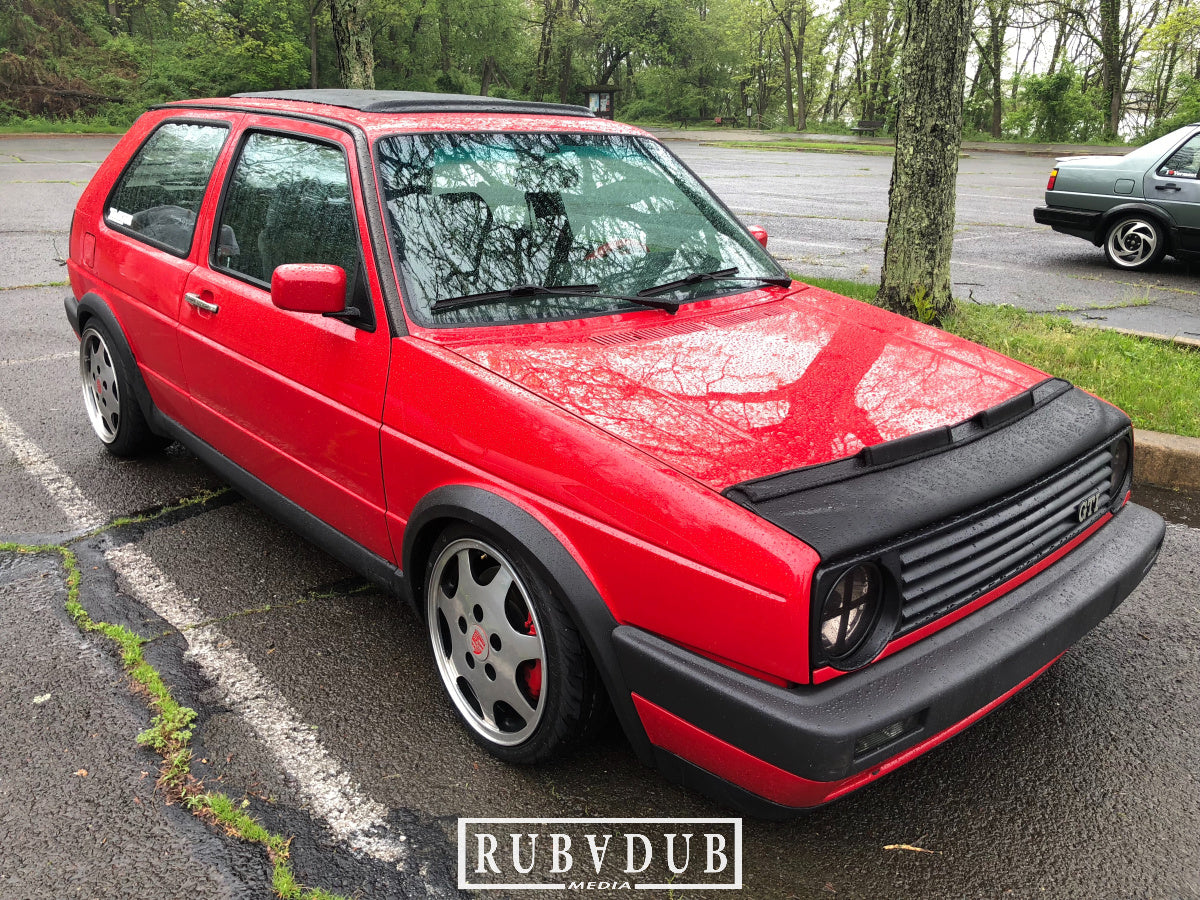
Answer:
(288, 201)
(159, 194)
(1184, 162)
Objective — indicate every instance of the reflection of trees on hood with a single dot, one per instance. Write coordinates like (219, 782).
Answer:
(751, 401)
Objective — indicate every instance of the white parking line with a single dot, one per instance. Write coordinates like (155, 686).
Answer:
(49, 357)
(325, 786)
(80, 512)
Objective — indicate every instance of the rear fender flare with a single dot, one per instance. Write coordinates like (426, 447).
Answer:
(1139, 208)
(93, 306)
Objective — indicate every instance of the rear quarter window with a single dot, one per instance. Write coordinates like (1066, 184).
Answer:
(158, 196)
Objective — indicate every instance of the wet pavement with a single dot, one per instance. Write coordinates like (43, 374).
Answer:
(1084, 785)
(826, 214)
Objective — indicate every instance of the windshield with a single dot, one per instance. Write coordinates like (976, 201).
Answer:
(474, 213)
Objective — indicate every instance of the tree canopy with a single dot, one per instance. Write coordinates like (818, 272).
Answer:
(1055, 70)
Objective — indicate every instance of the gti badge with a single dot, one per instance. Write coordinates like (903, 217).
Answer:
(1088, 506)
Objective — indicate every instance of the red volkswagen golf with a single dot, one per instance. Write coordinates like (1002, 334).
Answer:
(518, 364)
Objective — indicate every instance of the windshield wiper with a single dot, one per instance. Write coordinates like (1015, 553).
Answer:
(520, 291)
(730, 274)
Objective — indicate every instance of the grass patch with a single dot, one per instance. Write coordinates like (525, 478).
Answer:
(35, 125)
(810, 146)
(1156, 382)
(170, 730)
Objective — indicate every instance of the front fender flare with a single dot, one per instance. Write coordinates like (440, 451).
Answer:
(504, 520)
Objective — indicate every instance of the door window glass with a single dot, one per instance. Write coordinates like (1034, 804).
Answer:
(288, 201)
(1184, 162)
(159, 194)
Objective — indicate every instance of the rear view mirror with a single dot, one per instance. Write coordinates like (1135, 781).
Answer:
(309, 288)
(760, 234)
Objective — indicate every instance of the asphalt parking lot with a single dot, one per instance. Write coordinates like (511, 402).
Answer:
(318, 702)
(826, 214)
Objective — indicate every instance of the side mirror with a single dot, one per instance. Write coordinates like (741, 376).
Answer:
(760, 234)
(309, 288)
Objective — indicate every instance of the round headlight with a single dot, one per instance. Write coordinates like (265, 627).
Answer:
(1118, 480)
(850, 612)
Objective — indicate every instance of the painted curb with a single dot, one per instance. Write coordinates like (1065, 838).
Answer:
(1166, 460)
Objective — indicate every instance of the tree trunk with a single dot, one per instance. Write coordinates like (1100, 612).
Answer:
(312, 45)
(801, 97)
(551, 9)
(444, 38)
(1110, 63)
(999, 25)
(787, 79)
(352, 38)
(485, 77)
(929, 118)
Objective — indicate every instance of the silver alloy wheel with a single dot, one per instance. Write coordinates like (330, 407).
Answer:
(487, 641)
(1132, 243)
(101, 393)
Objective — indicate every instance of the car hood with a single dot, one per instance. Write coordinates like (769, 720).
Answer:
(730, 396)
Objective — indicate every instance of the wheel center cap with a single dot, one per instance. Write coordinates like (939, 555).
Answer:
(479, 643)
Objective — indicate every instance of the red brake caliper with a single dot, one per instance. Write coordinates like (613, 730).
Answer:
(532, 673)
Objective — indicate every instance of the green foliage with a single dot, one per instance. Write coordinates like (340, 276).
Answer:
(1055, 107)
(71, 65)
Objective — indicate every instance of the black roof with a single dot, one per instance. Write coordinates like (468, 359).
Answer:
(420, 102)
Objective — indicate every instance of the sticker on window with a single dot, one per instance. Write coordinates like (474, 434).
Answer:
(120, 218)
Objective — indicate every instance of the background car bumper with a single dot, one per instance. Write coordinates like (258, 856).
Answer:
(1076, 222)
(771, 749)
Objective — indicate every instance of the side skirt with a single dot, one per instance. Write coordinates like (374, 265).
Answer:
(370, 565)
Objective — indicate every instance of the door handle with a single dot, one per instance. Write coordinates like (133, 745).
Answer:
(199, 303)
(1167, 187)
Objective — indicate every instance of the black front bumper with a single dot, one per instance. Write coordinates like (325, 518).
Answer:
(941, 680)
(1076, 222)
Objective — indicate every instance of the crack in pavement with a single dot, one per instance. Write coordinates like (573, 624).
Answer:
(352, 816)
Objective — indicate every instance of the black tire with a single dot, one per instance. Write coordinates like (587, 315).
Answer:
(1135, 242)
(111, 404)
(485, 654)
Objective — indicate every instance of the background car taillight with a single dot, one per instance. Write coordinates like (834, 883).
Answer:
(1053, 175)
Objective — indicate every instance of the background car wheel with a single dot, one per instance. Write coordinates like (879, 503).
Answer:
(112, 408)
(1135, 242)
(510, 658)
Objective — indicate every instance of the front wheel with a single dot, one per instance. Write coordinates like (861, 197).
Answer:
(106, 379)
(509, 656)
(1134, 243)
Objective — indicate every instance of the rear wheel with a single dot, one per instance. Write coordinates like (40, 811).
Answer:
(106, 379)
(1135, 242)
(509, 656)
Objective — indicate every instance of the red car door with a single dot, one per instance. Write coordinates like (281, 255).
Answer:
(294, 398)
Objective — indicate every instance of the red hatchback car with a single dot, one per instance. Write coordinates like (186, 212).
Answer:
(518, 364)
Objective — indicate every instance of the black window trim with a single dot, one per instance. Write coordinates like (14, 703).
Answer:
(397, 325)
(227, 124)
(357, 279)
(1162, 163)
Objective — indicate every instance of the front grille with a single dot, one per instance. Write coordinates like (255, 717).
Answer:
(950, 566)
